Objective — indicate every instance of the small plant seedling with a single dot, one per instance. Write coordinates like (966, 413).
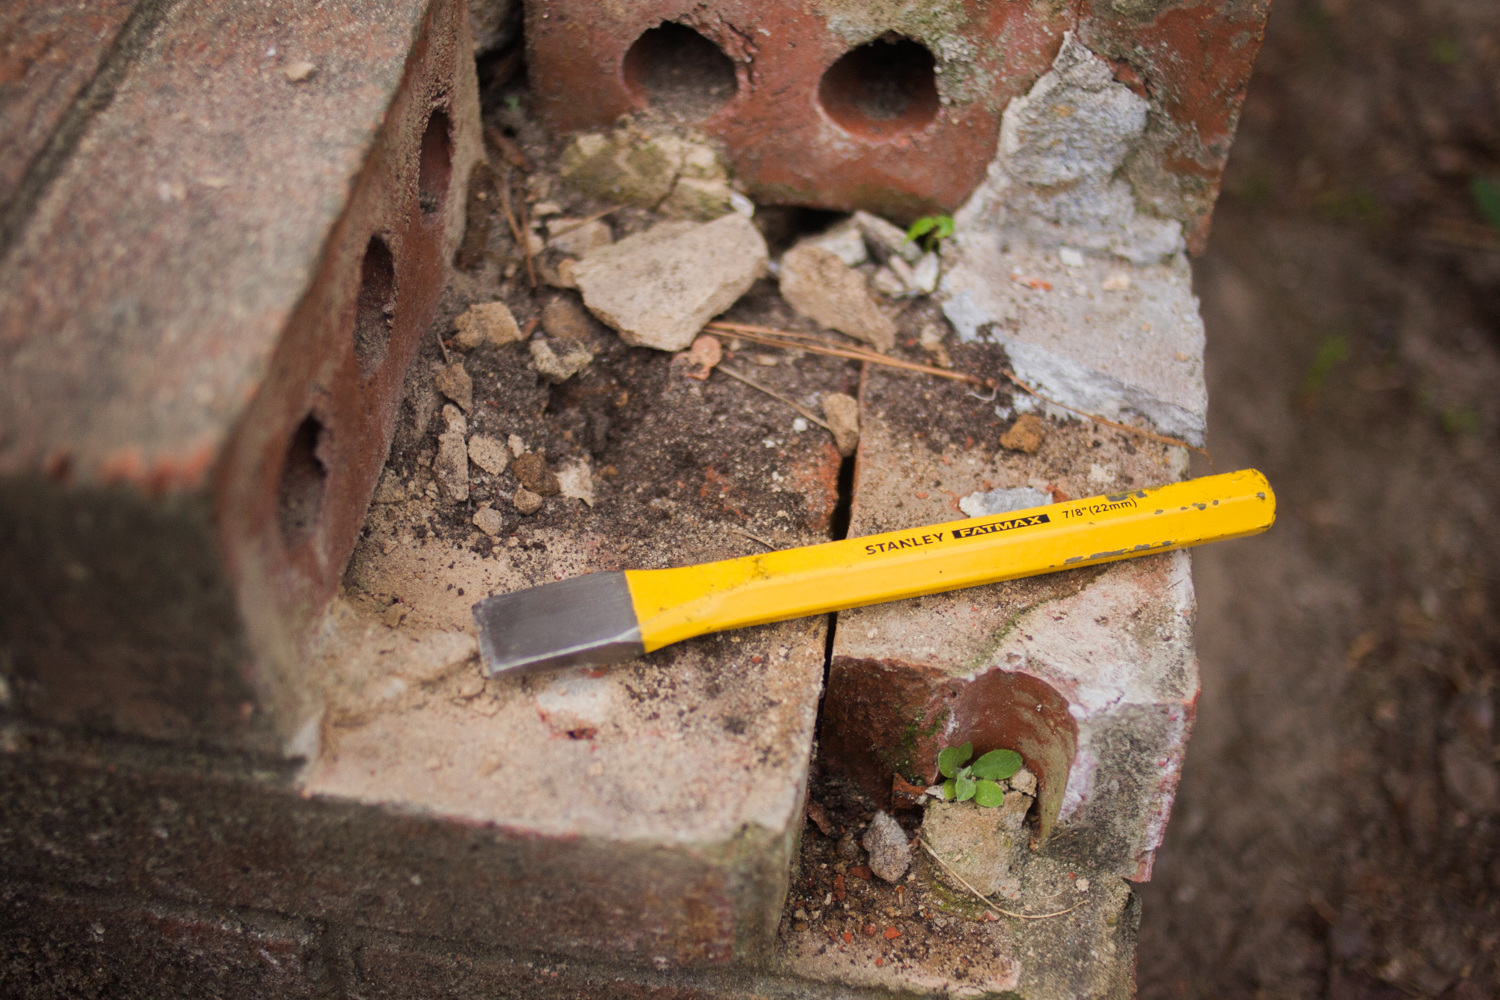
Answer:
(930, 230)
(977, 781)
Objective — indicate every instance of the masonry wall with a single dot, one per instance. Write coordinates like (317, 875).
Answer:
(225, 231)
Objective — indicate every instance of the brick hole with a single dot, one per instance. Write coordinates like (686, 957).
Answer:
(376, 306)
(882, 89)
(435, 166)
(679, 73)
(304, 480)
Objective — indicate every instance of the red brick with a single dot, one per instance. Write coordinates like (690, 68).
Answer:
(1192, 60)
(141, 827)
(782, 141)
(183, 360)
(58, 945)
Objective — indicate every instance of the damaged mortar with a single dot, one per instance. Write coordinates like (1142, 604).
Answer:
(1051, 258)
(678, 175)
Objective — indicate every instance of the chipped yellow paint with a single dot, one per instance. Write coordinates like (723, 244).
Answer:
(676, 604)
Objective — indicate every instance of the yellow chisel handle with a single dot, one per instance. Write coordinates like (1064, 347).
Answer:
(676, 604)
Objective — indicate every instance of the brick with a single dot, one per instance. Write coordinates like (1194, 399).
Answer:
(781, 138)
(59, 945)
(395, 967)
(655, 804)
(647, 812)
(1089, 674)
(800, 129)
(215, 839)
(200, 377)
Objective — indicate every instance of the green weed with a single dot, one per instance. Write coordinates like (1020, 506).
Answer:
(930, 230)
(977, 781)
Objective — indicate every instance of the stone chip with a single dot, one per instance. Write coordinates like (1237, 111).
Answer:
(486, 322)
(817, 284)
(885, 841)
(557, 361)
(842, 414)
(488, 453)
(577, 237)
(489, 521)
(455, 383)
(1025, 435)
(659, 287)
(526, 502)
(565, 319)
(885, 238)
(451, 464)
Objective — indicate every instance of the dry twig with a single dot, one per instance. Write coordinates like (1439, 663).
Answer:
(774, 395)
(755, 538)
(821, 345)
(583, 222)
(984, 899)
(526, 243)
(515, 228)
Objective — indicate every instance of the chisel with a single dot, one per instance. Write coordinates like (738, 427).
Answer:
(615, 616)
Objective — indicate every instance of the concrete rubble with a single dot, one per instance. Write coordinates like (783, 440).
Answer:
(486, 323)
(1051, 258)
(659, 287)
(681, 177)
(558, 360)
(819, 285)
(979, 846)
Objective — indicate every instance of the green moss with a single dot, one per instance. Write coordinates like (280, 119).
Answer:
(902, 757)
(958, 902)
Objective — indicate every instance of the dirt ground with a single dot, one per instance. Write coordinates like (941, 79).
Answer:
(1335, 831)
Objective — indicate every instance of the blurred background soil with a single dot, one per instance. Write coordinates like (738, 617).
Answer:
(1335, 834)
